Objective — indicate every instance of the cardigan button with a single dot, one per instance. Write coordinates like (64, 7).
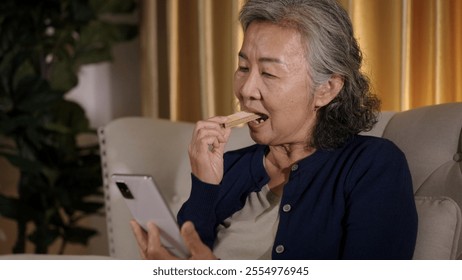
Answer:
(279, 249)
(294, 167)
(286, 208)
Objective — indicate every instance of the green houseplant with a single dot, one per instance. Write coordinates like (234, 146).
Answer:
(42, 46)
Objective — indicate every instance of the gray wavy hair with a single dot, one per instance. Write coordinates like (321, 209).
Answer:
(331, 48)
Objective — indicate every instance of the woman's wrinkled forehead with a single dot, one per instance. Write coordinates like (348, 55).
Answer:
(289, 25)
(273, 37)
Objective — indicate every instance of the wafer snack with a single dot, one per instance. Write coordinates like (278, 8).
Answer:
(239, 118)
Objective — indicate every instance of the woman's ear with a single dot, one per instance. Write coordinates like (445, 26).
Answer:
(327, 91)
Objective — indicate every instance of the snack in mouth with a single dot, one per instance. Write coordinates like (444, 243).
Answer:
(243, 117)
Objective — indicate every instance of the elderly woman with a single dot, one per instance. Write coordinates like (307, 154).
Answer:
(311, 188)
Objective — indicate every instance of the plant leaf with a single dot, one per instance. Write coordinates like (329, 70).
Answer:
(79, 234)
(22, 162)
(34, 94)
(89, 207)
(112, 6)
(6, 104)
(81, 11)
(88, 56)
(63, 76)
(9, 207)
(69, 114)
(44, 236)
(10, 125)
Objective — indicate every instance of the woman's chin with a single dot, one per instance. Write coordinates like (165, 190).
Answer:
(258, 137)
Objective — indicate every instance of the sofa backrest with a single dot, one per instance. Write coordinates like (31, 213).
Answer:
(430, 137)
(137, 145)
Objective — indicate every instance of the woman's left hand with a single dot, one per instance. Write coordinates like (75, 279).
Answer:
(151, 248)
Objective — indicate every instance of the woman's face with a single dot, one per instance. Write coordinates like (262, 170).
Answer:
(272, 79)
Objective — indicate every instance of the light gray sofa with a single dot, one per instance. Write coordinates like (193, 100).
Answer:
(429, 136)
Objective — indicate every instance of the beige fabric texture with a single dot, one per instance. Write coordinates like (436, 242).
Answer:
(439, 228)
(430, 137)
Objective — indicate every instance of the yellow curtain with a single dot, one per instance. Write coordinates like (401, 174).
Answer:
(412, 49)
(198, 41)
(412, 53)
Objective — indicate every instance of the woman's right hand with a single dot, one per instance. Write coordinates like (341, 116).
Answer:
(207, 148)
(152, 249)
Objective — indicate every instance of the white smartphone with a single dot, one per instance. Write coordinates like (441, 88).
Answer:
(147, 204)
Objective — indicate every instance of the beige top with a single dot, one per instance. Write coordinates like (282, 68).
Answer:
(250, 232)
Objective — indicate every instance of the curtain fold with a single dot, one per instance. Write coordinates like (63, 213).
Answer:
(412, 50)
(148, 56)
(378, 26)
(412, 53)
(202, 39)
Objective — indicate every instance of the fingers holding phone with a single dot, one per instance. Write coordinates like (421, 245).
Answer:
(149, 243)
(151, 248)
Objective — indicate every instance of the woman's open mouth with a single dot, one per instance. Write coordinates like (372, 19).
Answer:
(260, 120)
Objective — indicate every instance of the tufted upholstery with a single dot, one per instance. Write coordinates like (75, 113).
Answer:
(146, 146)
(430, 137)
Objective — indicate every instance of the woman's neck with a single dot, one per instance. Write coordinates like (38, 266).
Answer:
(278, 163)
(284, 156)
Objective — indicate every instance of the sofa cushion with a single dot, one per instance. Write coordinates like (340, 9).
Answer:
(428, 136)
(439, 228)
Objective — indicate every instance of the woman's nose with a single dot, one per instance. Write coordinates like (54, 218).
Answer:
(248, 88)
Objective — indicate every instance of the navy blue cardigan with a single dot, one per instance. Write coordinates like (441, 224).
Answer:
(354, 202)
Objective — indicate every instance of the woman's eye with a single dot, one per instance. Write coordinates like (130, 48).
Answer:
(243, 69)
